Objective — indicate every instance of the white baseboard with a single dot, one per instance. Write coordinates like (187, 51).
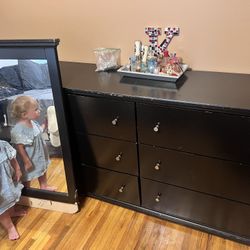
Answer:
(50, 205)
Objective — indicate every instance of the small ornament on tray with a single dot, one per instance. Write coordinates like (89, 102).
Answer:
(171, 65)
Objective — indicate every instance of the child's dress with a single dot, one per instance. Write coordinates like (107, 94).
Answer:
(10, 190)
(35, 148)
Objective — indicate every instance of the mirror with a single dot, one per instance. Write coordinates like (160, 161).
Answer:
(32, 117)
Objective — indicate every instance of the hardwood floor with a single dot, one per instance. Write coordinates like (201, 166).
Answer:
(55, 175)
(100, 225)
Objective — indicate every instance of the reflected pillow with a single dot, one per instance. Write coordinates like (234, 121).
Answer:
(11, 76)
(34, 75)
(6, 91)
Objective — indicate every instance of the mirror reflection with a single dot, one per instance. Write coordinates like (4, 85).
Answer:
(28, 122)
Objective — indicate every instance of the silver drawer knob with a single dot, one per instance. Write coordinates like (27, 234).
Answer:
(121, 189)
(118, 157)
(156, 127)
(157, 166)
(115, 121)
(157, 199)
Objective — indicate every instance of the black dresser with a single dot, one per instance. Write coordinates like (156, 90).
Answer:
(177, 151)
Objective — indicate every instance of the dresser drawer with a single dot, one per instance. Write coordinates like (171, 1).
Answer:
(212, 134)
(218, 177)
(110, 184)
(221, 214)
(107, 153)
(104, 117)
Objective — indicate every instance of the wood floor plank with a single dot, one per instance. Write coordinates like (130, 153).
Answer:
(116, 226)
(100, 225)
(220, 243)
(131, 235)
(83, 227)
(195, 240)
(55, 174)
(98, 232)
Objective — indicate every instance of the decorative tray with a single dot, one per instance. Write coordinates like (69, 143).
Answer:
(125, 70)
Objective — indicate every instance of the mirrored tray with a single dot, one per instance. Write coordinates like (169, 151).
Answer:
(125, 70)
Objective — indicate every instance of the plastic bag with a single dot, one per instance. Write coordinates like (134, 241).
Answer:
(107, 58)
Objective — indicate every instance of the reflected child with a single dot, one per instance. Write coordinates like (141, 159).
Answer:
(26, 135)
(10, 188)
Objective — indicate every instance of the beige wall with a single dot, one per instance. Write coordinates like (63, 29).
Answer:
(215, 34)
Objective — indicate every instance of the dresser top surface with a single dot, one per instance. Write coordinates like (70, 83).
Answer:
(213, 89)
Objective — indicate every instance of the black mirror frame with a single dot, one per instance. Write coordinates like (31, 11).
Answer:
(47, 49)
